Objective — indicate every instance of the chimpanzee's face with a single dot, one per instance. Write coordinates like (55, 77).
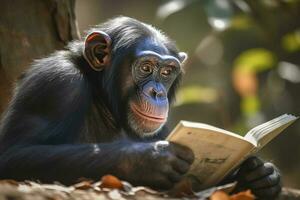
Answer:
(143, 84)
(153, 71)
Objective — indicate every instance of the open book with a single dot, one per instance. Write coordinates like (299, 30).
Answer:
(218, 152)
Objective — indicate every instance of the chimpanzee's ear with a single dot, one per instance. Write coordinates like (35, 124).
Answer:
(97, 50)
(182, 56)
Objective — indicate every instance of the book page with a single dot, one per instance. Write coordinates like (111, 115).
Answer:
(265, 132)
(217, 151)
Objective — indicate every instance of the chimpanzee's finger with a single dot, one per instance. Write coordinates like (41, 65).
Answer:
(174, 176)
(251, 163)
(268, 193)
(268, 181)
(183, 152)
(263, 171)
(180, 166)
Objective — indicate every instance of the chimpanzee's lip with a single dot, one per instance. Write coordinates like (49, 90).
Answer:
(158, 119)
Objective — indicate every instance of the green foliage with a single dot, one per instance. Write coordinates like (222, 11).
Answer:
(250, 105)
(241, 22)
(255, 60)
(196, 94)
(291, 41)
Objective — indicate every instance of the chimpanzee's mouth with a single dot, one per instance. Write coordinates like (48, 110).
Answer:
(157, 119)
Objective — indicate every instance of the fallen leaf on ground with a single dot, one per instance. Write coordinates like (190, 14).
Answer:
(110, 181)
(219, 195)
(84, 185)
(246, 195)
(9, 181)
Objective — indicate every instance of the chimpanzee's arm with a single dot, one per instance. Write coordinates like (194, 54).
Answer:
(64, 163)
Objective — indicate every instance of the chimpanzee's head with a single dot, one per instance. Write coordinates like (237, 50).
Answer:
(140, 69)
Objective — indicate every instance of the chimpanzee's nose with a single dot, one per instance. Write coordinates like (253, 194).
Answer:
(155, 90)
(156, 93)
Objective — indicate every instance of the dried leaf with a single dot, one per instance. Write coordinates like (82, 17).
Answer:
(245, 195)
(55, 187)
(115, 195)
(227, 188)
(144, 189)
(84, 185)
(9, 181)
(109, 181)
(219, 195)
(127, 187)
(81, 179)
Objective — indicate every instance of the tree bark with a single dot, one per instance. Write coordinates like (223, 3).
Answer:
(31, 29)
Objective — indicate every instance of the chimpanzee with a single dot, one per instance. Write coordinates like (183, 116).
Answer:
(100, 107)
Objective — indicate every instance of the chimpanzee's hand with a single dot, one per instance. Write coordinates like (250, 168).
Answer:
(261, 177)
(159, 165)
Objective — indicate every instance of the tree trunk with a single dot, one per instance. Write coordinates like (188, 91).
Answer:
(31, 29)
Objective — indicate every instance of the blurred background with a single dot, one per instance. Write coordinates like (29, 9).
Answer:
(243, 66)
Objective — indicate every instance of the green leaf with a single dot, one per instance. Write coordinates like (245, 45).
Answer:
(255, 60)
(291, 41)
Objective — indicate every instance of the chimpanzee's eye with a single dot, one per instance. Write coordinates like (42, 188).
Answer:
(146, 68)
(166, 71)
